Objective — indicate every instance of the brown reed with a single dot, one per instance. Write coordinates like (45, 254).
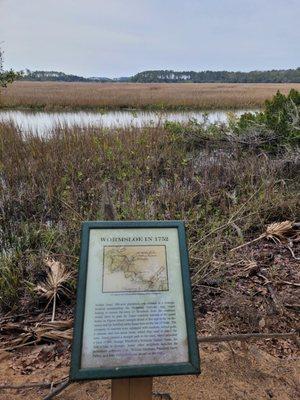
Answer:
(61, 95)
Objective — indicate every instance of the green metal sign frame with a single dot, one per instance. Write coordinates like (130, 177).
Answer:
(186, 368)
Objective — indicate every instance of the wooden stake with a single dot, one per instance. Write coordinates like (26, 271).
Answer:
(131, 389)
(126, 388)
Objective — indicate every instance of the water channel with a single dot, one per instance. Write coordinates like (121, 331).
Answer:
(43, 122)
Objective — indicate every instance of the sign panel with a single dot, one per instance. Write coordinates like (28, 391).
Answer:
(134, 312)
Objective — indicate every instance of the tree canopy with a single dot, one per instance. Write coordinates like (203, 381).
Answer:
(6, 77)
(273, 76)
(167, 76)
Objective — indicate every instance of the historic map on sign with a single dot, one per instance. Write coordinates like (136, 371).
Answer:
(134, 269)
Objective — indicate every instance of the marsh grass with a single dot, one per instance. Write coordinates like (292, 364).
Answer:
(75, 96)
(226, 192)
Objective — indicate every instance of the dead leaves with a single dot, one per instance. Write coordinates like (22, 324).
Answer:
(27, 335)
(36, 332)
(40, 357)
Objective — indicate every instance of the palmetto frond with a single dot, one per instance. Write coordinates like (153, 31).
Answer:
(277, 231)
(54, 284)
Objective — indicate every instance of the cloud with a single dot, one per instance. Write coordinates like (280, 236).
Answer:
(114, 38)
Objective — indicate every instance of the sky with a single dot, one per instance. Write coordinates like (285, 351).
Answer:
(116, 38)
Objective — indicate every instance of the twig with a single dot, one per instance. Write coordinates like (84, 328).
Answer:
(228, 223)
(56, 391)
(212, 232)
(238, 230)
(275, 231)
(289, 283)
(247, 243)
(70, 207)
(246, 336)
(32, 384)
(292, 253)
(21, 345)
(54, 306)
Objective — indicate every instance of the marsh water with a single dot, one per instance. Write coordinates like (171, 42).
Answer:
(43, 122)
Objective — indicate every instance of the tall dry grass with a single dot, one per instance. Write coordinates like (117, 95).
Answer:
(58, 95)
(49, 185)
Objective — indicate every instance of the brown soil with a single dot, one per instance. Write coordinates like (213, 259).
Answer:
(227, 373)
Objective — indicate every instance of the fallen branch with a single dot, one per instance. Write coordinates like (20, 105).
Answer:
(33, 384)
(246, 336)
(56, 391)
(20, 345)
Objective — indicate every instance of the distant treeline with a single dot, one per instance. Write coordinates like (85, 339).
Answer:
(274, 76)
(58, 76)
(169, 76)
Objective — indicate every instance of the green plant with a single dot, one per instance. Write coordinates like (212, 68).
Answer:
(280, 117)
(10, 279)
(200, 173)
(7, 77)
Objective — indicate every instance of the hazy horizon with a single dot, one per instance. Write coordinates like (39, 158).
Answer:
(96, 38)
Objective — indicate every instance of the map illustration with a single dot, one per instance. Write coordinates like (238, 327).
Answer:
(134, 269)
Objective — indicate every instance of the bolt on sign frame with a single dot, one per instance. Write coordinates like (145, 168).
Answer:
(134, 313)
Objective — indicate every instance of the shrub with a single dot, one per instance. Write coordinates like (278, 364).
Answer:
(280, 117)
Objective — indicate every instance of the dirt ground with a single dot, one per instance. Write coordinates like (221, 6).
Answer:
(264, 298)
(228, 373)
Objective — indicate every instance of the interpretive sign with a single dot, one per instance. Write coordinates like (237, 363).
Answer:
(134, 313)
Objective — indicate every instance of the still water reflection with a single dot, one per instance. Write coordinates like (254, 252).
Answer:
(43, 122)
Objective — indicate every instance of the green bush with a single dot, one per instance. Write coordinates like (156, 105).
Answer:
(280, 117)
